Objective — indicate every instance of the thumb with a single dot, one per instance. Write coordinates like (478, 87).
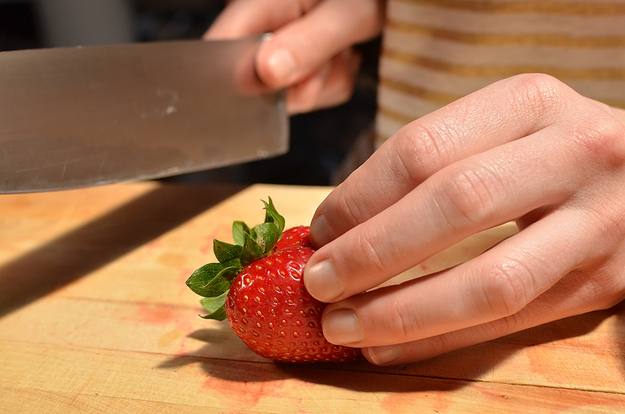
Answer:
(305, 45)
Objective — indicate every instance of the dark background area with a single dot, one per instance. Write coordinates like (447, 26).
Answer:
(320, 141)
(18, 29)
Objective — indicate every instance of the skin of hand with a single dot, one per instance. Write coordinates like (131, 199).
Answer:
(527, 149)
(310, 51)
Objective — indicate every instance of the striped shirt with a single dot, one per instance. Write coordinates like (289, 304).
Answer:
(435, 51)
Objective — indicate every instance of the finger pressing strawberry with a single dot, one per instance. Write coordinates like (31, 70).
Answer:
(257, 285)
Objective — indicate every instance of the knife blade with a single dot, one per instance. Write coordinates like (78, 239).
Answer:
(84, 116)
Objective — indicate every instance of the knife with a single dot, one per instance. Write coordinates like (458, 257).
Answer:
(84, 116)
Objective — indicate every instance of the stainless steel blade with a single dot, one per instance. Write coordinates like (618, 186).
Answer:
(75, 117)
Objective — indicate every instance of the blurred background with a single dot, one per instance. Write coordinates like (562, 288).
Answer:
(323, 143)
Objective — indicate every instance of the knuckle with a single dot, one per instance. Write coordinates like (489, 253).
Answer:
(368, 15)
(373, 258)
(503, 326)
(609, 298)
(540, 93)
(304, 6)
(422, 150)
(404, 321)
(469, 196)
(505, 289)
(601, 138)
(348, 208)
(599, 289)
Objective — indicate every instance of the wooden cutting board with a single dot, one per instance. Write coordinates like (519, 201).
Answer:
(95, 318)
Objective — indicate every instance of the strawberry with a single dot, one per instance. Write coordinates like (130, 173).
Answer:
(293, 237)
(257, 285)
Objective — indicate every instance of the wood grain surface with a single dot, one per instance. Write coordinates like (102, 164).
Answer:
(95, 318)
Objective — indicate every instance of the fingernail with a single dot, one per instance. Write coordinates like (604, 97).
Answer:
(384, 355)
(322, 282)
(341, 327)
(281, 64)
(320, 232)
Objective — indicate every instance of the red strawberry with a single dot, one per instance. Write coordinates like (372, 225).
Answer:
(295, 236)
(257, 285)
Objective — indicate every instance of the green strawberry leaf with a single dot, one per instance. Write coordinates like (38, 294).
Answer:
(215, 306)
(251, 251)
(272, 216)
(224, 252)
(239, 230)
(214, 278)
(267, 235)
(218, 315)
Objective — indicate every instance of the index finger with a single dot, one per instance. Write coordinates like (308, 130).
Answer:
(500, 113)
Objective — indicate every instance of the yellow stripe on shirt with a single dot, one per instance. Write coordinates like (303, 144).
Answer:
(502, 39)
(589, 8)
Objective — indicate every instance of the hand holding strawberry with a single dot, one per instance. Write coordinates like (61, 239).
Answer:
(258, 286)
